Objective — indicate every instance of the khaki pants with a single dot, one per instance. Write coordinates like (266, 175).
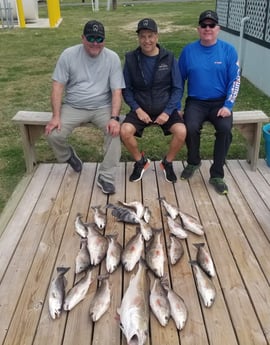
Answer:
(72, 118)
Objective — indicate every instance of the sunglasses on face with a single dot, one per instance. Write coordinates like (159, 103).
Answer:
(204, 25)
(93, 39)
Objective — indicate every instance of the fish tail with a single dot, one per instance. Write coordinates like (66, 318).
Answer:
(103, 276)
(62, 270)
(110, 206)
(198, 245)
(193, 262)
(96, 207)
(110, 237)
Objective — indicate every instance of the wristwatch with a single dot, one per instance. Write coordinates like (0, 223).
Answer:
(116, 118)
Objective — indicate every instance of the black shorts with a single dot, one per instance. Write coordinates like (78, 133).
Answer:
(132, 118)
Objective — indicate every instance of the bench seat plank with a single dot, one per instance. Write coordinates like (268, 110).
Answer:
(32, 124)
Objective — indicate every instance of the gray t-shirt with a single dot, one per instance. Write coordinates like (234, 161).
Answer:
(88, 80)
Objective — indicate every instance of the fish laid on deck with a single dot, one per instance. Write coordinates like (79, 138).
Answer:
(191, 223)
(114, 252)
(204, 259)
(134, 309)
(100, 303)
(205, 285)
(133, 251)
(124, 214)
(57, 293)
(137, 206)
(80, 226)
(155, 255)
(159, 302)
(171, 209)
(179, 311)
(176, 228)
(78, 292)
(97, 245)
(100, 218)
(147, 214)
(82, 261)
(146, 230)
(176, 249)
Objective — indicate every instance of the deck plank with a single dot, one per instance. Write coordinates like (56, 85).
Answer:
(40, 236)
(248, 330)
(215, 241)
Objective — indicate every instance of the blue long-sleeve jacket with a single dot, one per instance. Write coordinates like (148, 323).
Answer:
(161, 92)
(211, 72)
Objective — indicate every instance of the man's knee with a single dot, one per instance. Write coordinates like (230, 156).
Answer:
(56, 136)
(126, 131)
(179, 130)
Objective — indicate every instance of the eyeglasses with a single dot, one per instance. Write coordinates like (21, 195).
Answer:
(204, 25)
(93, 39)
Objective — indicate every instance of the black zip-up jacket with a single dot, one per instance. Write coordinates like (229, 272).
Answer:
(153, 98)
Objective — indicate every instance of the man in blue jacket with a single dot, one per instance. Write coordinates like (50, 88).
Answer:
(153, 91)
(211, 68)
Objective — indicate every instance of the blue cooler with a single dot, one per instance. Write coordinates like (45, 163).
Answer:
(266, 135)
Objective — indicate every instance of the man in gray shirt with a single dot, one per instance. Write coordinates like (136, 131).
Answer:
(90, 77)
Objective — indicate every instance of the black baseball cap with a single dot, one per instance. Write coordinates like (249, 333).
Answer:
(94, 28)
(209, 14)
(147, 24)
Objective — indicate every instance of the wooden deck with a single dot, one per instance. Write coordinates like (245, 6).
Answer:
(38, 235)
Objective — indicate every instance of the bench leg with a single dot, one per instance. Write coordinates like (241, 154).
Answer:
(30, 134)
(252, 133)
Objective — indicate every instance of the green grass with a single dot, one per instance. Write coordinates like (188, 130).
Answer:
(28, 57)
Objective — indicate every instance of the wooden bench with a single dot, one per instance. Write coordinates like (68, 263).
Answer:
(32, 125)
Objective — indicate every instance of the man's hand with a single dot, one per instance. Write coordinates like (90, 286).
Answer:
(113, 127)
(54, 123)
(143, 116)
(161, 119)
(224, 112)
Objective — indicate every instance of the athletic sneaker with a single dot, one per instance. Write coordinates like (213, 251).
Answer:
(219, 185)
(74, 161)
(106, 187)
(139, 169)
(167, 168)
(189, 171)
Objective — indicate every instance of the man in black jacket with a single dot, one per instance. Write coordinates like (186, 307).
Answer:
(153, 91)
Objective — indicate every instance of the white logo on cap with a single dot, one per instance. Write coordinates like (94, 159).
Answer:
(95, 27)
(145, 22)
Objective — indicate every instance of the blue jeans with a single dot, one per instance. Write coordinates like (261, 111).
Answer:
(195, 114)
